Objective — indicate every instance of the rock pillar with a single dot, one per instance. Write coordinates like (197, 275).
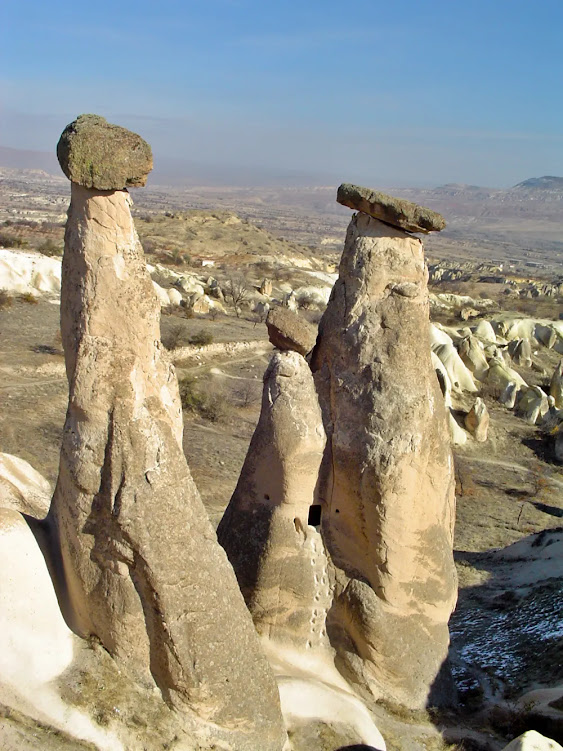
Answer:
(142, 568)
(387, 483)
(270, 529)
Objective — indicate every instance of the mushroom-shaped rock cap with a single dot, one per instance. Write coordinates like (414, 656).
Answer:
(396, 211)
(97, 154)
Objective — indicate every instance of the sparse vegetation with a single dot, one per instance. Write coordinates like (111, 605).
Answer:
(208, 405)
(6, 300)
(174, 337)
(202, 338)
(50, 248)
(29, 297)
(8, 240)
(236, 289)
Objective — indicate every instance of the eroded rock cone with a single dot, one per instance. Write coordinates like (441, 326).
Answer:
(142, 568)
(477, 420)
(269, 528)
(387, 485)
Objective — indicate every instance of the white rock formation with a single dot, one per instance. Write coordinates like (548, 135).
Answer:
(477, 420)
(29, 272)
(532, 404)
(22, 488)
(556, 386)
(533, 741)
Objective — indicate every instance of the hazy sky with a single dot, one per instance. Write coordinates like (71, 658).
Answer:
(384, 93)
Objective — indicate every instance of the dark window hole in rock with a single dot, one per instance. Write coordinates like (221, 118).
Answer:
(314, 515)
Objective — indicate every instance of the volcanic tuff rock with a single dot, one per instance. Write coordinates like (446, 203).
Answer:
(395, 211)
(288, 331)
(97, 154)
(477, 420)
(268, 529)
(387, 483)
(556, 385)
(141, 567)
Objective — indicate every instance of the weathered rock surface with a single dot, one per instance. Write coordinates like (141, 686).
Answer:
(22, 488)
(532, 404)
(269, 530)
(288, 331)
(471, 352)
(533, 741)
(141, 568)
(556, 386)
(509, 395)
(477, 420)
(520, 351)
(395, 211)
(96, 154)
(387, 488)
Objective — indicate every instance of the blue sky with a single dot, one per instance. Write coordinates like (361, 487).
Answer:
(385, 93)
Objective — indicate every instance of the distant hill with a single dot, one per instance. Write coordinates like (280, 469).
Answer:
(34, 160)
(175, 172)
(547, 182)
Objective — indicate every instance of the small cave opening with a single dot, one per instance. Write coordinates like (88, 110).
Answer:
(314, 515)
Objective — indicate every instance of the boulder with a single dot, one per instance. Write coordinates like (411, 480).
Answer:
(460, 376)
(22, 488)
(472, 353)
(270, 531)
(520, 351)
(395, 211)
(457, 433)
(477, 420)
(96, 154)
(556, 386)
(532, 404)
(141, 570)
(509, 395)
(533, 741)
(289, 331)
(266, 287)
(387, 484)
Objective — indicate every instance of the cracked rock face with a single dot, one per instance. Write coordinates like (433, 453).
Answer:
(141, 568)
(269, 530)
(387, 483)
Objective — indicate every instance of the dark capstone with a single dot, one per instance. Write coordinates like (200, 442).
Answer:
(97, 154)
(395, 211)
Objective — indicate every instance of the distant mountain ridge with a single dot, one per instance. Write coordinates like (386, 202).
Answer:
(547, 182)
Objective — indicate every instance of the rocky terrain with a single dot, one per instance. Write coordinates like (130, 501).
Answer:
(347, 574)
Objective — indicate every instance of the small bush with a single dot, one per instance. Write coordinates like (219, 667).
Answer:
(30, 298)
(201, 338)
(209, 406)
(174, 337)
(6, 299)
(50, 248)
(12, 241)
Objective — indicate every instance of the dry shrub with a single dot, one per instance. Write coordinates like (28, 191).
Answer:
(209, 405)
(29, 297)
(6, 299)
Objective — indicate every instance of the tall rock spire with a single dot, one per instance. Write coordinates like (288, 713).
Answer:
(387, 482)
(142, 568)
